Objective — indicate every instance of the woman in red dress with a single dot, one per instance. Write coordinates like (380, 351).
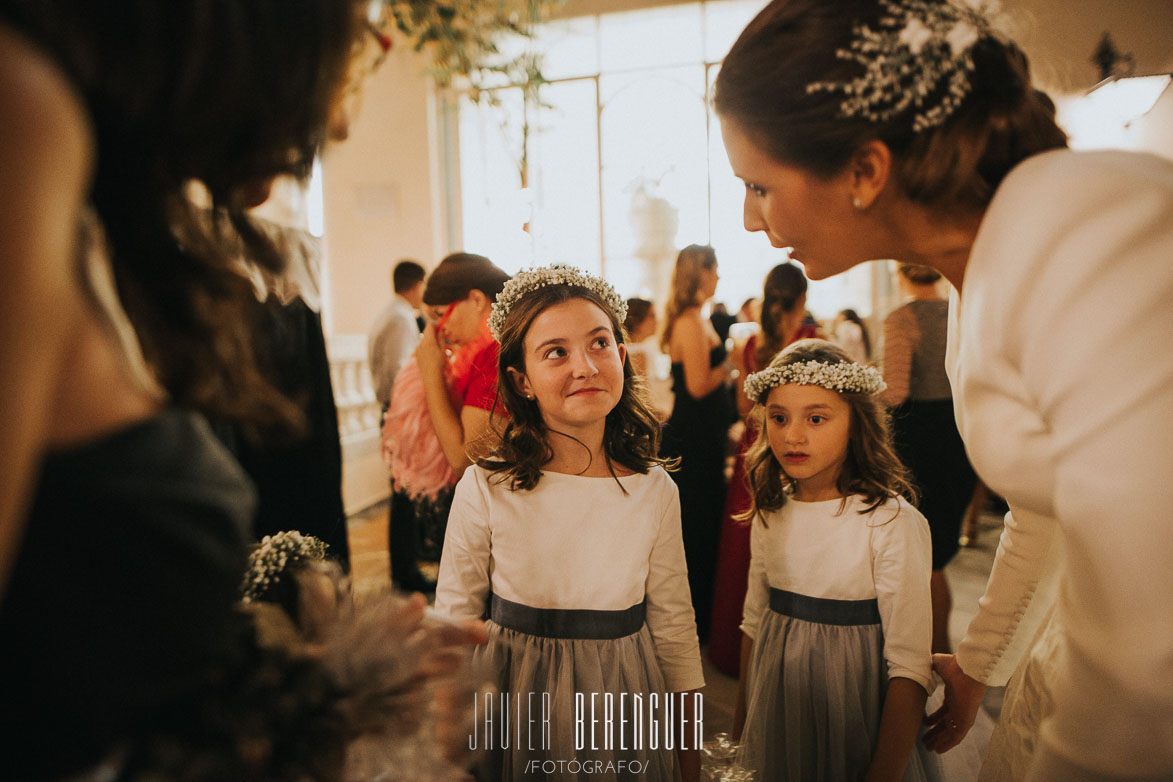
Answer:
(782, 322)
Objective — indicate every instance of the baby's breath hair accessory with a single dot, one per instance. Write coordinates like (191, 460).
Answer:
(272, 555)
(529, 280)
(843, 376)
(920, 48)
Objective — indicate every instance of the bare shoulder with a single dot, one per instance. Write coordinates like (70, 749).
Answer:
(39, 105)
(35, 93)
(45, 161)
(688, 325)
(46, 157)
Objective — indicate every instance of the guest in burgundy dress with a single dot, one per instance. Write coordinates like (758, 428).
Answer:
(782, 322)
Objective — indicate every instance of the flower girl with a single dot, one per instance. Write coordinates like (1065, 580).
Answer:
(569, 534)
(837, 623)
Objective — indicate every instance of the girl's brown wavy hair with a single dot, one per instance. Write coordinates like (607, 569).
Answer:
(872, 469)
(631, 435)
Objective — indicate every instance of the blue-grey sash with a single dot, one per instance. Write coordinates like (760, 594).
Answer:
(567, 623)
(825, 610)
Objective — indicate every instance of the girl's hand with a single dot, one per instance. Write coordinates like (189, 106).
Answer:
(963, 696)
(430, 353)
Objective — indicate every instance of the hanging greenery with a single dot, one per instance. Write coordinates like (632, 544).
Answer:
(478, 46)
(466, 40)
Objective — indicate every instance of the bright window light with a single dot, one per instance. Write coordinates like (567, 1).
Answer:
(625, 165)
(314, 204)
(1102, 118)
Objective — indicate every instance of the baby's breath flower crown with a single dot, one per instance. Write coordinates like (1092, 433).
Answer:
(527, 281)
(272, 555)
(843, 376)
(920, 48)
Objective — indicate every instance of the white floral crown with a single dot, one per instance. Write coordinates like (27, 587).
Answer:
(272, 556)
(529, 280)
(841, 376)
(921, 46)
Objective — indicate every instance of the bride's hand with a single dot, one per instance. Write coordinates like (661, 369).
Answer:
(963, 696)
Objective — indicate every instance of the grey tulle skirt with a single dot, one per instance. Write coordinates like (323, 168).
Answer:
(552, 684)
(815, 694)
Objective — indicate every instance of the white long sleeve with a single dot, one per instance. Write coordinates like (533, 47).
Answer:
(1018, 597)
(669, 605)
(757, 595)
(462, 587)
(1063, 378)
(902, 561)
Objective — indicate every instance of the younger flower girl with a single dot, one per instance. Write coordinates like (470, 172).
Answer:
(837, 622)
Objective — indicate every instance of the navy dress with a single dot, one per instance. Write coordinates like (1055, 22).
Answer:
(121, 593)
(697, 432)
(298, 476)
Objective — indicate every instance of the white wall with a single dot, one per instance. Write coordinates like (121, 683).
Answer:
(380, 199)
(1154, 131)
(1060, 36)
(381, 195)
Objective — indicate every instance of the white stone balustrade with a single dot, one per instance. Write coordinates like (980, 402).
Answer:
(364, 476)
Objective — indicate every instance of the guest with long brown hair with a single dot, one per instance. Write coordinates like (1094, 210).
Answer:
(697, 430)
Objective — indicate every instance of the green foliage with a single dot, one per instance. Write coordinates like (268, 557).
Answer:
(478, 46)
(464, 41)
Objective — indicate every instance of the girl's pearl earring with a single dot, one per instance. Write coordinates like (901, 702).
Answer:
(857, 203)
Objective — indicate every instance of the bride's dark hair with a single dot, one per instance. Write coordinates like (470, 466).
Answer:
(632, 433)
(793, 43)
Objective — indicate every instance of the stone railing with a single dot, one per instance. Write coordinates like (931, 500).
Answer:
(364, 476)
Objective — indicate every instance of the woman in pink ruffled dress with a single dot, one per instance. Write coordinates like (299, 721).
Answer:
(442, 407)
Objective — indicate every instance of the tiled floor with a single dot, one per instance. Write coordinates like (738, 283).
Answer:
(967, 575)
(369, 565)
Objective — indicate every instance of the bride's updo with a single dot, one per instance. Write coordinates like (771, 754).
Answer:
(764, 84)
